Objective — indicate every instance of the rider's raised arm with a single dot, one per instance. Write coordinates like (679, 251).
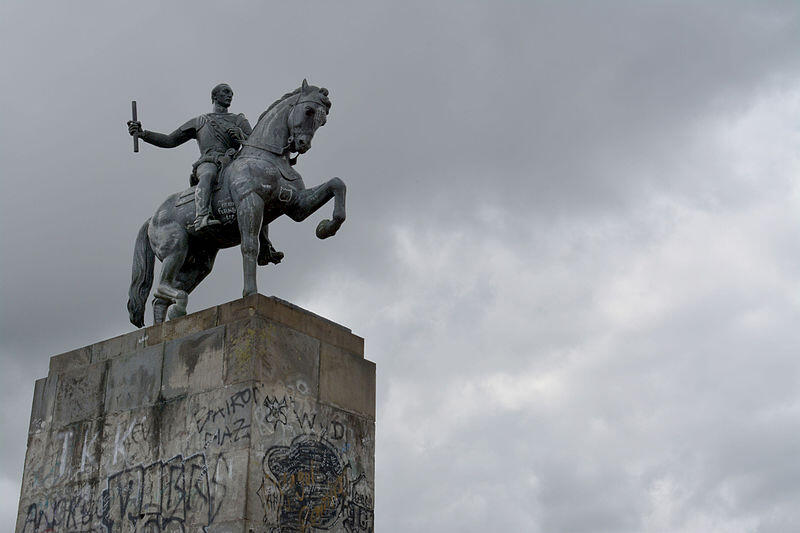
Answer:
(186, 132)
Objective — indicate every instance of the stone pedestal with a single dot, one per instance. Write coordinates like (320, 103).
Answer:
(254, 416)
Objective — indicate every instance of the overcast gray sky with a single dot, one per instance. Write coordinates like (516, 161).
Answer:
(572, 246)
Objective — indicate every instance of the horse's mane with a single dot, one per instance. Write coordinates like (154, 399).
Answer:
(279, 100)
(325, 100)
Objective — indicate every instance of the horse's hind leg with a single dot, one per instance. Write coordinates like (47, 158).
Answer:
(309, 200)
(196, 267)
(194, 270)
(171, 245)
(160, 306)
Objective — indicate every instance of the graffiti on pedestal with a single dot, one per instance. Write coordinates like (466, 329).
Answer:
(276, 411)
(313, 474)
(228, 421)
(161, 496)
(308, 482)
(306, 487)
(359, 514)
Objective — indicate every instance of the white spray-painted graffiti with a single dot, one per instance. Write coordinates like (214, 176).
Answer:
(74, 450)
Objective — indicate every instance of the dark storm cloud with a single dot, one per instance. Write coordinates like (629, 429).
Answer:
(569, 252)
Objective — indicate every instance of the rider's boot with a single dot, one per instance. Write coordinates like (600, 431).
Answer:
(204, 221)
(202, 200)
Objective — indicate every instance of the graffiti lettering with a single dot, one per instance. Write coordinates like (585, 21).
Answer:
(359, 514)
(161, 496)
(87, 445)
(66, 511)
(306, 421)
(228, 422)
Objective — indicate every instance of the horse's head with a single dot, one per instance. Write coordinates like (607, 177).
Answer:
(289, 124)
(308, 112)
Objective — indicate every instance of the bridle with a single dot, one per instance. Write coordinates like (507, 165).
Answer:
(281, 151)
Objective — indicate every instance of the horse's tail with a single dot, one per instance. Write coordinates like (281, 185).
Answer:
(141, 276)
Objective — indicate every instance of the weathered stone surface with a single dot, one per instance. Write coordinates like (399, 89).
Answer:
(245, 350)
(35, 459)
(294, 317)
(251, 417)
(193, 363)
(80, 394)
(237, 526)
(347, 381)
(134, 380)
(116, 346)
(69, 360)
(272, 353)
(191, 323)
(39, 407)
(172, 418)
(238, 309)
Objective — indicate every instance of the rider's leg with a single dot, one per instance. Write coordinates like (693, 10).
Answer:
(206, 173)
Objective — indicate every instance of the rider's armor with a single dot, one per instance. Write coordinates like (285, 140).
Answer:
(216, 144)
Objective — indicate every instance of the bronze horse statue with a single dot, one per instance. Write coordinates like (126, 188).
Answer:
(257, 187)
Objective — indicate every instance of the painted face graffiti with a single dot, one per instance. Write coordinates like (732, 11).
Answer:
(310, 481)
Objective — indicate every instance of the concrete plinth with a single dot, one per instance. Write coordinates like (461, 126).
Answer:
(252, 416)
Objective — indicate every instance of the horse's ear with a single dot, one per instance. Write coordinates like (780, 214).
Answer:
(304, 87)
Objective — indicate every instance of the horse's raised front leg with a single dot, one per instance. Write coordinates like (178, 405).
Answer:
(250, 213)
(309, 200)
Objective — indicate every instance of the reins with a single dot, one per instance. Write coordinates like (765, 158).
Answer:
(282, 151)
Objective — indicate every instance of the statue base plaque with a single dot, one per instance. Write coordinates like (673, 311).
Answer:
(252, 416)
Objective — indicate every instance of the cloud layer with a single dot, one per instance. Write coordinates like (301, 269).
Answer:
(572, 242)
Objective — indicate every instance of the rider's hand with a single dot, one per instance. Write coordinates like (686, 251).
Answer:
(135, 128)
(237, 134)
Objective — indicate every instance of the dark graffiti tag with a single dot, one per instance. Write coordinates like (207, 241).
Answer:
(69, 511)
(276, 411)
(161, 496)
(359, 514)
(230, 421)
(305, 485)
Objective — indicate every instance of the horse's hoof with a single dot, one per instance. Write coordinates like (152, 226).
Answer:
(265, 258)
(176, 311)
(327, 228)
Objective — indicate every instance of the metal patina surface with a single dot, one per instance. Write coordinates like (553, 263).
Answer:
(243, 181)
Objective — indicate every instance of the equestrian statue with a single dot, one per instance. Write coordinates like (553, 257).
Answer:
(243, 181)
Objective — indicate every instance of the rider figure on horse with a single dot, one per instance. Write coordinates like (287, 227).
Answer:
(219, 135)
